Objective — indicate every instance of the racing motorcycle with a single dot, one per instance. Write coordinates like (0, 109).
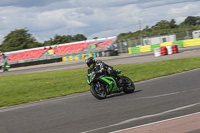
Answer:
(102, 85)
(5, 67)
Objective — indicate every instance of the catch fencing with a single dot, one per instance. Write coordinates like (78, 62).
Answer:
(149, 48)
(124, 45)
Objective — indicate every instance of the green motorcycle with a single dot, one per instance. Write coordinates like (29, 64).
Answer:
(102, 85)
(5, 68)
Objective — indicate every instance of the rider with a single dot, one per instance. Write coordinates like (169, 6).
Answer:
(100, 67)
(5, 66)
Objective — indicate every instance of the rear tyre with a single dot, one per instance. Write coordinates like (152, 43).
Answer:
(130, 87)
(98, 91)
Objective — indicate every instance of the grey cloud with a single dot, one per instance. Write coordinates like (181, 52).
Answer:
(45, 18)
(71, 3)
(27, 3)
(159, 3)
(103, 3)
(85, 10)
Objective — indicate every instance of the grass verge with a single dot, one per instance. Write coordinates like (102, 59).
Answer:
(23, 88)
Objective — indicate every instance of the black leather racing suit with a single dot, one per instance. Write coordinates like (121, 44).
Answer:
(101, 67)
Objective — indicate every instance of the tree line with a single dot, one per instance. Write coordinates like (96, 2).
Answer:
(163, 27)
(20, 39)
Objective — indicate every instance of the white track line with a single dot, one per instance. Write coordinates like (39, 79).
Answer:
(155, 122)
(142, 117)
(4, 109)
(166, 94)
(36, 103)
(171, 75)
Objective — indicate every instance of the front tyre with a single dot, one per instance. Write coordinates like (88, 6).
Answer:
(130, 87)
(98, 91)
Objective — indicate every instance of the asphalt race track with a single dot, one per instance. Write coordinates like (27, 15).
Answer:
(154, 100)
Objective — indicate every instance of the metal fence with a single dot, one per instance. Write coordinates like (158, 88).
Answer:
(122, 46)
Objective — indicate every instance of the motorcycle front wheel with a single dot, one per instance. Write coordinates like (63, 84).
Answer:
(98, 91)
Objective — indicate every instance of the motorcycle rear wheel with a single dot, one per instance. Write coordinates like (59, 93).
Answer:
(98, 90)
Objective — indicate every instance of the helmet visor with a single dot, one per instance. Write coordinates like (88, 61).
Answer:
(91, 65)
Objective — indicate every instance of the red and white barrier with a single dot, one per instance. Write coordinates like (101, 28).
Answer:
(175, 49)
(163, 50)
(169, 49)
(166, 50)
(157, 52)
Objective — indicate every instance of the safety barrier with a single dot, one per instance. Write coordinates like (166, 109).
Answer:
(145, 48)
(163, 50)
(78, 57)
(166, 44)
(84, 56)
(175, 49)
(180, 44)
(166, 50)
(191, 42)
(169, 49)
(134, 50)
(157, 52)
(34, 62)
(155, 46)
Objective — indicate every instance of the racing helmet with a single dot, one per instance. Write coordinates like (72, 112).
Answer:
(90, 62)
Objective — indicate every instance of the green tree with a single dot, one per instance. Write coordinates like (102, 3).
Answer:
(163, 27)
(192, 20)
(17, 40)
(67, 38)
(172, 24)
(49, 42)
(95, 38)
(79, 37)
(163, 24)
(58, 39)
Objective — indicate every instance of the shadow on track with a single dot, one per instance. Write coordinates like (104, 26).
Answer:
(121, 94)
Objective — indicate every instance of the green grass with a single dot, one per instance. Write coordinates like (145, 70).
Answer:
(23, 88)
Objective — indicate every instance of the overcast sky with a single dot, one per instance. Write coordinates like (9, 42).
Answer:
(93, 18)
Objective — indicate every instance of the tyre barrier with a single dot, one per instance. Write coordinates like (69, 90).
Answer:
(175, 49)
(169, 50)
(180, 44)
(165, 50)
(157, 52)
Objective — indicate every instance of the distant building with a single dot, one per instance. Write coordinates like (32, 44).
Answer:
(196, 34)
(159, 39)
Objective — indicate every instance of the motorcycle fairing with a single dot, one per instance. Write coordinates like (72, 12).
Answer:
(112, 83)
